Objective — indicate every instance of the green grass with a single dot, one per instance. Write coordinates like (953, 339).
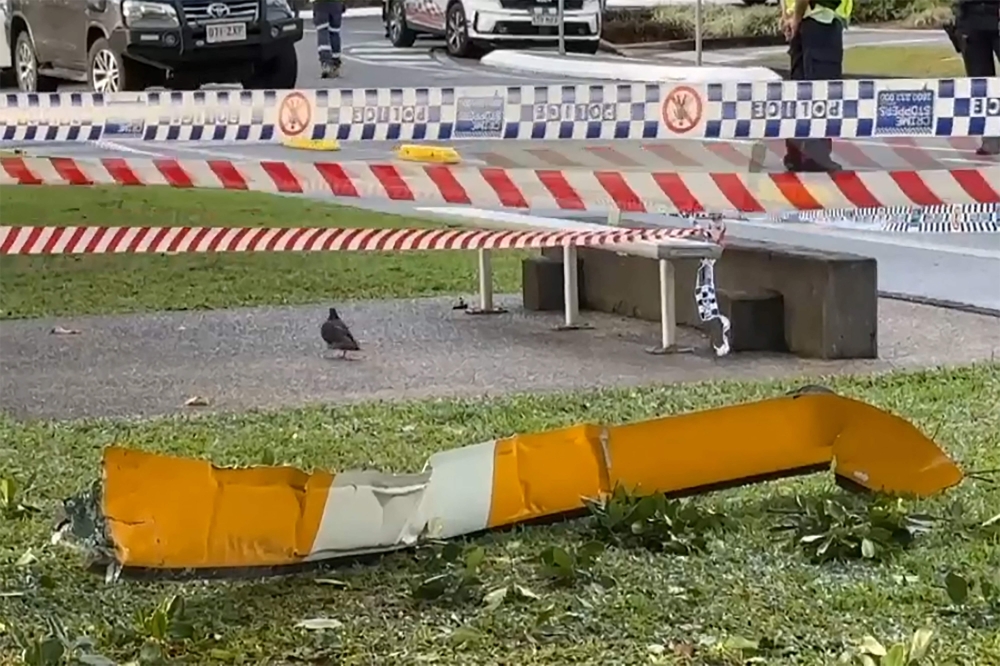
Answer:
(72, 285)
(893, 61)
(750, 584)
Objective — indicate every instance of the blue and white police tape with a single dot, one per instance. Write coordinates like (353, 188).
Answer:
(693, 110)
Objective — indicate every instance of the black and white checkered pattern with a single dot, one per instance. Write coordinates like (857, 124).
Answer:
(708, 302)
(629, 111)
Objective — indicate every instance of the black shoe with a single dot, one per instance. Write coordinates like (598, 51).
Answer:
(989, 148)
(812, 166)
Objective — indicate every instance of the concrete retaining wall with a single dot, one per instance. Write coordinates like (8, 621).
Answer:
(830, 300)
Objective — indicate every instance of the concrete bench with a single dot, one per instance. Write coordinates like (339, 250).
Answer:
(829, 300)
(661, 255)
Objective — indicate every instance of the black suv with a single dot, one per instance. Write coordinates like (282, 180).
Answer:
(117, 45)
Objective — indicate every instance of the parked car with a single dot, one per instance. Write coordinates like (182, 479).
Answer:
(469, 26)
(116, 45)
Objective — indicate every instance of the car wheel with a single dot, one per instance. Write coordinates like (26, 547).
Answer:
(26, 67)
(400, 34)
(456, 32)
(109, 72)
(279, 73)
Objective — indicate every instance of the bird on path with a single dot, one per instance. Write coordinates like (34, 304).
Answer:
(337, 336)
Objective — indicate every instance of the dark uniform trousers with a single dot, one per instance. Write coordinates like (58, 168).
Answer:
(979, 23)
(817, 54)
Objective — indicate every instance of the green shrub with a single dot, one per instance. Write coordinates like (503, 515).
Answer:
(885, 11)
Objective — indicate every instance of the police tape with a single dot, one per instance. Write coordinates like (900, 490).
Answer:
(492, 187)
(42, 240)
(690, 109)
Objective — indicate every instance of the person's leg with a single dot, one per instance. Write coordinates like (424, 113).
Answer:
(336, 19)
(321, 19)
(822, 60)
(793, 149)
(980, 46)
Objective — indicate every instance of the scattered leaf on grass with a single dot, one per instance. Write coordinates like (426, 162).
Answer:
(740, 643)
(524, 593)
(26, 559)
(871, 646)
(319, 624)
(463, 635)
(492, 600)
(332, 582)
(896, 656)
(920, 643)
(957, 588)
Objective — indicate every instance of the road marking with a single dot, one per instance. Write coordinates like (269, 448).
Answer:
(104, 144)
(209, 152)
(873, 236)
(381, 54)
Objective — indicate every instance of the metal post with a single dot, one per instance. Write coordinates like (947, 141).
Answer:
(485, 287)
(697, 32)
(571, 289)
(668, 311)
(614, 216)
(485, 281)
(561, 9)
(668, 308)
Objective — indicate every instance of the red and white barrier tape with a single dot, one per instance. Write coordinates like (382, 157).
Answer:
(526, 188)
(137, 240)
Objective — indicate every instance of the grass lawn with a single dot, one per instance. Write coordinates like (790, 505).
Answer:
(750, 586)
(45, 286)
(893, 61)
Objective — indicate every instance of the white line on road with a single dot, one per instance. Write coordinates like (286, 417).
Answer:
(104, 144)
(209, 152)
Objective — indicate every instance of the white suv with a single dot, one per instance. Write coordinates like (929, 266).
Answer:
(469, 25)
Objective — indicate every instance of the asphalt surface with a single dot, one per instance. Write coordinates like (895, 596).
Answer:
(268, 358)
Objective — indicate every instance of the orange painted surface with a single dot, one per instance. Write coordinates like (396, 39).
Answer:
(545, 474)
(676, 453)
(172, 512)
(887, 454)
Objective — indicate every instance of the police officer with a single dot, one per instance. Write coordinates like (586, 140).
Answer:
(815, 33)
(978, 22)
(327, 16)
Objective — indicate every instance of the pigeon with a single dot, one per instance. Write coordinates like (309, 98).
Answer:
(337, 336)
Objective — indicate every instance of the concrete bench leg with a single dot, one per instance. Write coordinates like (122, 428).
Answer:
(668, 311)
(485, 286)
(571, 291)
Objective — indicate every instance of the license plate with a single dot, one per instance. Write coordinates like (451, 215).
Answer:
(544, 19)
(226, 32)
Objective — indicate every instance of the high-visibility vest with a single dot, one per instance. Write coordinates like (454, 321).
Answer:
(840, 8)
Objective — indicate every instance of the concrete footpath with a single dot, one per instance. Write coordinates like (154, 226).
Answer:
(269, 358)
